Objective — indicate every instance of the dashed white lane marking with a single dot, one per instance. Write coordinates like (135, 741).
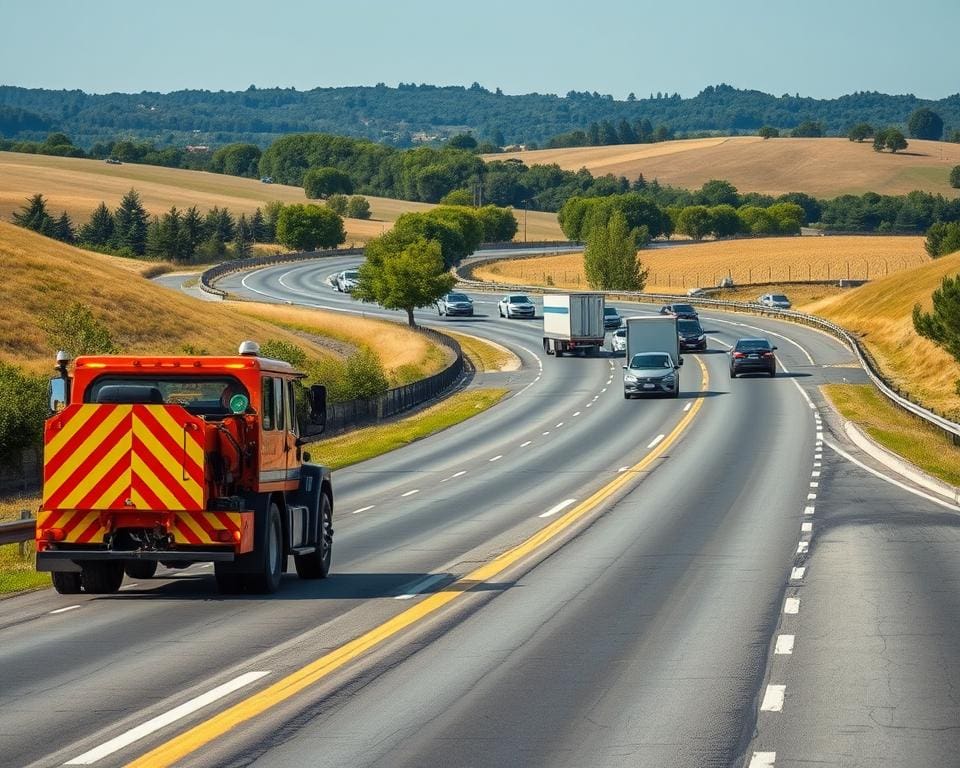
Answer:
(64, 610)
(557, 426)
(536, 357)
(595, 398)
(561, 506)
(623, 469)
(603, 390)
(817, 464)
(161, 721)
(455, 475)
(791, 605)
(419, 587)
(784, 645)
(763, 760)
(576, 414)
(815, 473)
(814, 484)
(811, 496)
(806, 527)
(818, 456)
(410, 493)
(496, 458)
(588, 405)
(820, 436)
(809, 510)
(545, 433)
(773, 698)
(524, 445)
(803, 547)
(656, 441)
(362, 509)
(687, 407)
(797, 573)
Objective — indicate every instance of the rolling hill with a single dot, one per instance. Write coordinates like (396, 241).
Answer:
(823, 168)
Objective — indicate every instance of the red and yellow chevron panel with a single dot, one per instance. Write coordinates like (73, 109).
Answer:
(199, 528)
(78, 527)
(124, 457)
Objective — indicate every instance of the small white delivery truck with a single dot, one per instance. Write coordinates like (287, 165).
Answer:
(572, 322)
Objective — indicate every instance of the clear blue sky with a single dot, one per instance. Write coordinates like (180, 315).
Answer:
(820, 48)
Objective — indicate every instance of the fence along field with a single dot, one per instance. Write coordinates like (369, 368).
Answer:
(675, 268)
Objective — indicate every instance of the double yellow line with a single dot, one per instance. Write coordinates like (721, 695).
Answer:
(202, 734)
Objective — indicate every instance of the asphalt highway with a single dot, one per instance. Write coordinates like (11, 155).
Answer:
(756, 593)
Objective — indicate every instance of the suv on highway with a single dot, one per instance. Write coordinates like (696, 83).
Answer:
(611, 318)
(686, 311)
(691, 335)
(775, 301)
(752, 356)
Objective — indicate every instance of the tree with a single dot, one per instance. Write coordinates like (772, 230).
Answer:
(236, 160)
(462, 141)
(457, 197)
(943, 237)
(610, 257)
(808, 129)
(98, 231)
(955, 177)
(695, 221)
(33, 215)
(338, 204)
(756, 220)
(724, 220)
(358, 207)
(242, 239)
(323, 182)
(942, 324)
(23, 408)
(787, 218)
(258, 227)
(860, 131)
(130, 225)
(191, 233)
(308, 227)
(895, 140)
(499, 224)
(63, 229)
(403, 275)
(717, 192)
(924, 123)
(768, 132)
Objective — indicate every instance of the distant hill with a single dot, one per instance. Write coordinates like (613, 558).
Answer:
(824, 168)
(410, 112)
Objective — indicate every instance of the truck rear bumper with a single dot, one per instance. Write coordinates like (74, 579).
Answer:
(69, 560)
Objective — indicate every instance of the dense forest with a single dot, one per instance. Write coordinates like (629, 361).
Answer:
(413, 113)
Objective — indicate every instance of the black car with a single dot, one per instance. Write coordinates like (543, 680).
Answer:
(752, 356)
(691, 335)
(611, 318)
(685, 311)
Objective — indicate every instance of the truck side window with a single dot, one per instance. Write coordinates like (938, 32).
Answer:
(268, 405)
(281, 423)
(292, 408)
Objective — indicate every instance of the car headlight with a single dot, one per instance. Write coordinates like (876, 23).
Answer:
(628, 379)
(669, 379)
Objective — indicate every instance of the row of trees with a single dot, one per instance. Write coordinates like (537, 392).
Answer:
(605, 133)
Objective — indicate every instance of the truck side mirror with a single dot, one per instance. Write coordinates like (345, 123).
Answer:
(318, 407)
(57, 394)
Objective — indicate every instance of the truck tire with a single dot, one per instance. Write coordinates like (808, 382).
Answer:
(140, 569)
(101, 578)
(65, 582)
(316, 565)
(267, 580)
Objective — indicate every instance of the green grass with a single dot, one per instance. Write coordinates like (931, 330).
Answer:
(484, 356)
(362, 444)
(17, 573)
(896, 430)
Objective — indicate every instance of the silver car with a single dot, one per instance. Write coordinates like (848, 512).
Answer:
(347, 280)
(456, 304)
(618, 342)
(516, 305)
(775, 301)
(651, 373)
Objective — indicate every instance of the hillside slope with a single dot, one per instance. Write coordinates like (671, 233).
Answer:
(820, 167)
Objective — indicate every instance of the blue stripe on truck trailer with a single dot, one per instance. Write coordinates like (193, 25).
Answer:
(557, 310)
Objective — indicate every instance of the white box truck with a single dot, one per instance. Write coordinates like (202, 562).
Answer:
(652, 357)
(572, 322)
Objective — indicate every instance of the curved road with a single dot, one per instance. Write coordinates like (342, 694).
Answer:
(754, 592)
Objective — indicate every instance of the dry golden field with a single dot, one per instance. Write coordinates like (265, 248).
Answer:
(41, 274)
(77, 186)
(821, 167)
(674, 268)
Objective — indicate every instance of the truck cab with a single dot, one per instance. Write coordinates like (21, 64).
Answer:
(179, 460)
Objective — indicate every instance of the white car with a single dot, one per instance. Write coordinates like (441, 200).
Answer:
(618, 342)
(775, 301)
(347, 280)
(516, 305)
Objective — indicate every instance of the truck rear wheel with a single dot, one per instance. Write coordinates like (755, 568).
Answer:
(267, 580)
(316, 565)
(101, 578)
(140, 569)
(66, 583)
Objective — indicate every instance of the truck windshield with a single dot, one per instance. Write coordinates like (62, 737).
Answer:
(200, 395)
(648, 361)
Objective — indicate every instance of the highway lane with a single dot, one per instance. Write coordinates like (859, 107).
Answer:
(105, 650)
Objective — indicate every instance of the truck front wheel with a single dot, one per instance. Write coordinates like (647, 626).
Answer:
(140, 569)
(267, 580)
(101, 578)
(316, 565)
(66, 583)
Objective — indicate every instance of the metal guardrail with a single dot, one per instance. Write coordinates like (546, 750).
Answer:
(866, 361)
(18, 531)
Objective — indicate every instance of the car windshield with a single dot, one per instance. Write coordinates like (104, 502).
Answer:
(352, 274)
(620, 332)
(689, 326)
(779, 297)
(519, 300)
(747, 344)
(651, 361)
(456, 297)
(687, 308)
(198, 394)
(610, 311)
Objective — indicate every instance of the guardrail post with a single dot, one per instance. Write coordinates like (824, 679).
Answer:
(22, 546)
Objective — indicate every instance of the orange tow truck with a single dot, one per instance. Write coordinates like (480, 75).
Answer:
(180, 460)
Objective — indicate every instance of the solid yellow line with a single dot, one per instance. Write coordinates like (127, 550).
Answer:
(180, 746)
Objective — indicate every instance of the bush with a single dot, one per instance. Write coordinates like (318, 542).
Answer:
(337, 204)
(75, 330)
(278, 349)
(323, 182)
(955, 177)
(365, 375)
(358, 208)
(23, 408)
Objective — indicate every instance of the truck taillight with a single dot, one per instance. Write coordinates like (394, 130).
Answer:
(227, 537)
(53, 534)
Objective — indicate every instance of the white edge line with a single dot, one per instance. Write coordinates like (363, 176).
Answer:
(497, 457)
(773, 698)
(419, 587)
(409, 493)
(362, 509)
(524, 445)
(561, 506)
(64, 610)
(161, 721)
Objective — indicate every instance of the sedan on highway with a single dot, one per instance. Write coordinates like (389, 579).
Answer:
(516, 305)
(691, 335)
(456, 304)
(347, 280)
(618, 341)
(775, 301)
(651, 373)
(680, 310)
(611, 318)
(752, 356)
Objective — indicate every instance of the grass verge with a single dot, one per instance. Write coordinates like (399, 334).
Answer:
(362, 444)
(17, 573)
(896, 430)
(484, 356)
